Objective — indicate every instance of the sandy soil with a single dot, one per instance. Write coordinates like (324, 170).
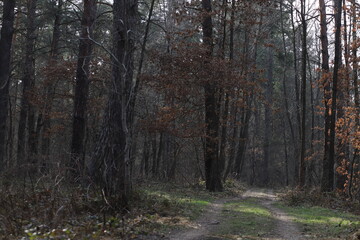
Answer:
(206, 225)
(285, 227)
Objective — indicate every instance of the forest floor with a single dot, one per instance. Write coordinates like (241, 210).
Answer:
(260, 214)
(221, 219)
(173, 212)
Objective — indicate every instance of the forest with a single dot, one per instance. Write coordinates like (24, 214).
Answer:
(158, 119)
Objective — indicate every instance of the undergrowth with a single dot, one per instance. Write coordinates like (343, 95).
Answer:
(50, 208)
(315, 197)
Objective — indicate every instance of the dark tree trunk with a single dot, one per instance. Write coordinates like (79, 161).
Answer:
(302, 167)
(153, 154)
(327, 183)
(212, 164)
(7, 31)
(159, 155)
(326, 81)
(144, 168)
(297, 98)
(233, 142)
(142, 56)
(268, 119)
(243, 138)
(111, 160)
(356, 92)
(27, 111)
(286, 103)
(82, 88)
(342, 146)
(43, 121)
(230, 159)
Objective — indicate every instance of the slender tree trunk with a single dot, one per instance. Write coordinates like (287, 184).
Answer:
(311, 166)
(231, 160)
(159, 155)
(303, 97)
(268, 119)
(153, 154)
(243, 139)
(44, 121)
(286, 156)
(7, 31)
(225, 95)
(327, 183)
(142, 55)
(82, 88)
(326, 81)
(343, 146)
(287, 112)
(356, 91)
(231, 157)
(297, 98)
(27, 111)
(212, 164)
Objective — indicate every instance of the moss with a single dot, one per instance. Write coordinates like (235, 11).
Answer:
(322, 222)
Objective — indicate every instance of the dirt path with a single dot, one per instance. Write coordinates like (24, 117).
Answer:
(285, 227)
(206, 226)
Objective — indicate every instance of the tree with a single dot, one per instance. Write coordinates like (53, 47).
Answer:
(82, 87)
(327, 182)
(111, 161)
(7, 31)
(27, 111)
(303, 96)
(212, 161)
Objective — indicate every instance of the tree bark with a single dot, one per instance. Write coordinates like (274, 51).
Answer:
(268, 119)
(111, 161)
(27, 111)
(297, 98)
(44, 121)
(356, 91)
(77, 161)
(342, 147)
(7, 31)
(327, 183)
(212, 164)
(326, 81)
(302, 167)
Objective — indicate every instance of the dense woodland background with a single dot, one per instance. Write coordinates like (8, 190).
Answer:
(103, 94)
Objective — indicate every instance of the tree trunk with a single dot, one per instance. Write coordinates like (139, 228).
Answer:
(7, 31)
(343, 146)
(111, 160)
(233, 142)
(44, 121)
(77, 161)
(27, 111)
(303, 97)
(268, 119)
(297, 101)
(326, 82)
(212, 164)
(356, 93)
(286, 101)
(327, 183)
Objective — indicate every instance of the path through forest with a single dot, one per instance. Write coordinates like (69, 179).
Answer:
(208, 224)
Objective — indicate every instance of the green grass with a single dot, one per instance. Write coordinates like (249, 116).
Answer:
(246, 219)
(186, 203)
(318, 222)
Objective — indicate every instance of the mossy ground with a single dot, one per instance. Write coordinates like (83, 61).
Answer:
(245, 219)
(323, 223)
